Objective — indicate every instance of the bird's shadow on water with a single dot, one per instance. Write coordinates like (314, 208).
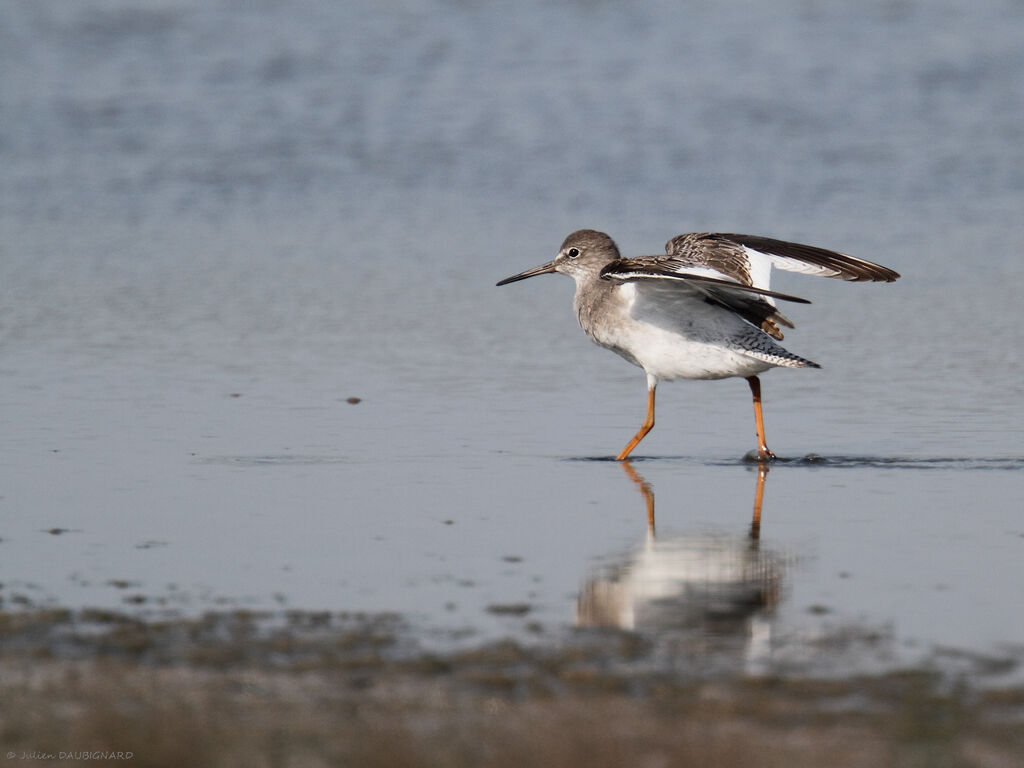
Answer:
(721, 597)
(814, 460)
(709, 594)
(714, 598)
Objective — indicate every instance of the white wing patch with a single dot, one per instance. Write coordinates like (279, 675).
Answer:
(704, 272)
(761, 263)
(761, 268)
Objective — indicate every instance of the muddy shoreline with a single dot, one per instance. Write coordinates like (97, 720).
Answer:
(311, 689)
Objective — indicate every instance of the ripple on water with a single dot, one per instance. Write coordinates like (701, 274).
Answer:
(817, 460)
(283, 460)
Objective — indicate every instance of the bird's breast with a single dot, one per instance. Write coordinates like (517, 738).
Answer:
(604, 315)
(669, 332)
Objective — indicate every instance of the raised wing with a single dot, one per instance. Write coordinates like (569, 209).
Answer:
(655, 267)
(749, 259)
(751, 303)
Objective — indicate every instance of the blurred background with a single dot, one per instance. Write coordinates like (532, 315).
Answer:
(263, 409)
(220, 221)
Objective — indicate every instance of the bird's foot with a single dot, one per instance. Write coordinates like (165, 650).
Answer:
(761, 456)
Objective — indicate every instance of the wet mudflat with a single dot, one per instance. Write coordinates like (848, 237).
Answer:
(320, 689)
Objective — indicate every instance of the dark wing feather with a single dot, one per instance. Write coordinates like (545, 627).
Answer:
(724, 252)
(745, 300)
(634, 269)
(845, 267)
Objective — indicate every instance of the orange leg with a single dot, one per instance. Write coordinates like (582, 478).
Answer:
(646, 490)
(648, 425)
(755, 523)
(763, 454)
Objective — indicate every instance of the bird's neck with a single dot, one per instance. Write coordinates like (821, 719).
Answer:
(591, 293)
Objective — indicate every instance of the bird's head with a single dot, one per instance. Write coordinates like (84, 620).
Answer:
(582, 255)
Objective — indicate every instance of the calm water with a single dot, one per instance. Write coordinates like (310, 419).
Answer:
(219, 221)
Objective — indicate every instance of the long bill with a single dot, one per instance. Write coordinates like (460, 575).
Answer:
(543, 269)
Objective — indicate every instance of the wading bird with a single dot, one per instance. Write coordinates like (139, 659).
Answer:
(701, 311)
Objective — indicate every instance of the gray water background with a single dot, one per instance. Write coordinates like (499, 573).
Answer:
(220, 220)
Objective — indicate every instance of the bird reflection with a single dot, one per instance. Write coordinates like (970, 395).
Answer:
(715, 587)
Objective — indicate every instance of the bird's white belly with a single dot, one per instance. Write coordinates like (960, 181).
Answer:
(674, 334)
(669, 355)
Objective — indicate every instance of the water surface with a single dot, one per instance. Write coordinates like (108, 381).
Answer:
(219, 223)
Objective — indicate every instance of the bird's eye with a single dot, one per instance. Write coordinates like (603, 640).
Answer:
(572, 253)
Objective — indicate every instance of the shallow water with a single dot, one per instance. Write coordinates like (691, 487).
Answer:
(218, 223)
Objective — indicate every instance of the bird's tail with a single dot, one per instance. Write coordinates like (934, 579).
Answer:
(763, 348)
